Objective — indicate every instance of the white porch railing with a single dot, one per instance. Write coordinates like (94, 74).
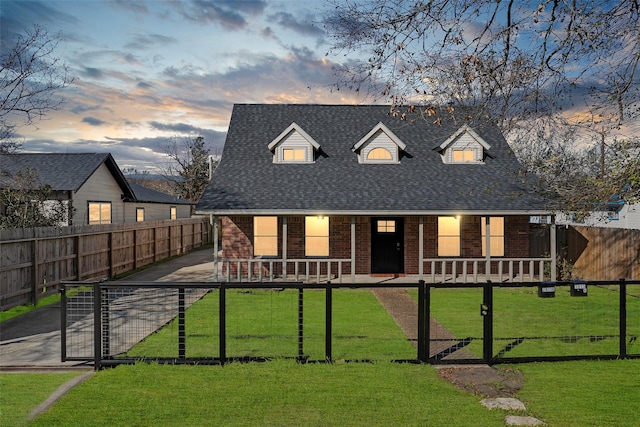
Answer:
(472, 270)
(278, 270)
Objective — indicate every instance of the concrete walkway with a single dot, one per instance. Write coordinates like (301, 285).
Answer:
(32, 340)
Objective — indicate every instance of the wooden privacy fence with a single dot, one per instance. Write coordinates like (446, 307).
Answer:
(34, 261)
(600, 253)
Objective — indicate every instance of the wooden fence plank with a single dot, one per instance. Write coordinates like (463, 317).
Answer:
(33, 262)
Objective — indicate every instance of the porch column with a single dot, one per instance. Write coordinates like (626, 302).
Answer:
(420, 247)
(487, 248)
(353, 249)
(214, 222)
(553, 249)
(284, 247)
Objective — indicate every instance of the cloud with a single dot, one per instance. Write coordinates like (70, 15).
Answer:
(229, 14)
(93, 121)
(91, 72)
(146, 41)
(16, 17)
(301, 26)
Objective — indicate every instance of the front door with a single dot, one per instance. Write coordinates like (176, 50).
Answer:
(387, 245)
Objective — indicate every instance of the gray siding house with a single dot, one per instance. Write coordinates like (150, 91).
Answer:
(94, 186)
(328, 192)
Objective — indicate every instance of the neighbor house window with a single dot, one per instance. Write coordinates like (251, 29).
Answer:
(294, 154)
(265, 236)
(496, 239)
(448, 236)
(379, 154)
(139, 214)
(464, 155)
(99, 212)
(316, 236)
(173, 212)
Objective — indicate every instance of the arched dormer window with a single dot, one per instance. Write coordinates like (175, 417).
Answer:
(380, 145)
(379, 153)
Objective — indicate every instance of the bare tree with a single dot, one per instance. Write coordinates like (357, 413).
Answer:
(30, 76)
(27, 202)
(189, 166)
(525, 65)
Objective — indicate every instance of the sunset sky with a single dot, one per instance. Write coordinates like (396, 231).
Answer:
(146, 71)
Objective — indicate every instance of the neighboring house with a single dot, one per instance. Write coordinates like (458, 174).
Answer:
(616, 214)
(94, 186)
(345, 190)
(151, 205)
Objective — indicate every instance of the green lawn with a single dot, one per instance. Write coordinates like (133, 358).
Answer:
(263, 323)
(284, 393)
(21, 393)
(559, 326)
(276, 393)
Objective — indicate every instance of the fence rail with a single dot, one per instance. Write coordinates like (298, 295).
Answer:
(220, 322)
(34, 262)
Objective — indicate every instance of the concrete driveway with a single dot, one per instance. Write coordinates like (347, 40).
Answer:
(32, 340)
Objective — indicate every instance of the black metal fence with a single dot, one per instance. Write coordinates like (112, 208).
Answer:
(215, 323)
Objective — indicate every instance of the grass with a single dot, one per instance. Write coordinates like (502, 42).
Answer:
(21, 393)
(277, 393)
(22, 309)
(583, 393)
(263, 323)
(559, 326)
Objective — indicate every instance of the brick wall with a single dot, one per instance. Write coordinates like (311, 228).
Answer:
(237, 239)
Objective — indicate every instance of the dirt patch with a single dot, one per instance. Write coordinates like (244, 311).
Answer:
(481, 380)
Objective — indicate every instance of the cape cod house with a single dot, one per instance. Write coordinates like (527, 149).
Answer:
(94, 186)
(331, 192)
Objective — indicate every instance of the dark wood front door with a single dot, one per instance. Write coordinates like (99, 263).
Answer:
(387, 245)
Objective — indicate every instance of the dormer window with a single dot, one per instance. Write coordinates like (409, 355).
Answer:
(464, 146)
(380, 145)
(379, 153)
(294, 145)
(464, 155)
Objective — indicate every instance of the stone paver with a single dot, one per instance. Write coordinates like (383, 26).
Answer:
(506, 403)
(514, 420)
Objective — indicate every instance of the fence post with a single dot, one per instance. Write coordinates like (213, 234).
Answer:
(328, 320)
(623, 319)
(300, 324)
(223, 320)
(97, 327)
(486, 310)
(63, 322)
(105, 327)
(181, 325)
(423, 322)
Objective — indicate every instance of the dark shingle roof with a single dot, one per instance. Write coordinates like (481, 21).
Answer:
(248, 181)
(62, 171)
(147, 195)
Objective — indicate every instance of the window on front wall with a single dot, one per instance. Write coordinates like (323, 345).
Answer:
(173, 213)
(448, 236)
(139, 214)
(316, 236)
(99, 212)
(496, 238)
(265, 236)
